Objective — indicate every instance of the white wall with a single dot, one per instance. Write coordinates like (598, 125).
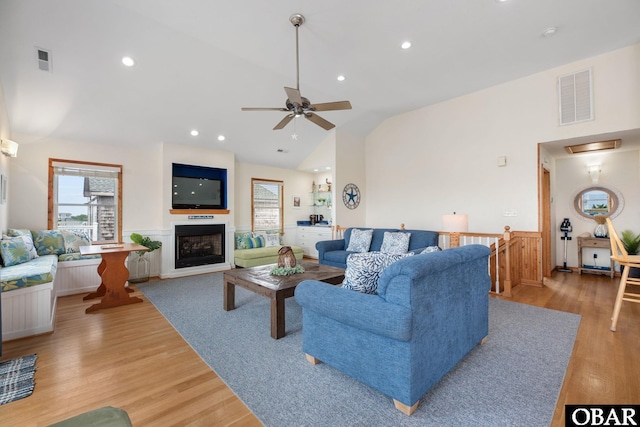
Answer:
(350, 168)
(443, 158)
(5, 132)
(142, 173)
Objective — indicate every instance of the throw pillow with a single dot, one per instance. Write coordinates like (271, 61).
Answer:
(73, 240)
(360, 240)
(48, 242)
(271, 240)
(15, 232)
(364, 270)
(13, 251)
(395, 243)
(27, 241)
(252, 242)
(240, 239)
(430, 249)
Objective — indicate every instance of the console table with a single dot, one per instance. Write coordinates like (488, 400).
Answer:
(598, 243)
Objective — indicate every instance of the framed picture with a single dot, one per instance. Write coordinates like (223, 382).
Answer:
(3, 189)
(296, 202)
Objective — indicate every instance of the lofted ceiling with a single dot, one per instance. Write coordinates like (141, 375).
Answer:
(198, 62)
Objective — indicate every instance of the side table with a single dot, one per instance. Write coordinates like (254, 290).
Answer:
(598, 243)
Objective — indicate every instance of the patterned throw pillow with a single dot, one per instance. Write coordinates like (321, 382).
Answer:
(73, 240)
(430, 249)
(240, 239)
(364, 270)
(14, 251)
(253, 242)
(360, 240)
(27, 241)
(395, 243)
(48, 242)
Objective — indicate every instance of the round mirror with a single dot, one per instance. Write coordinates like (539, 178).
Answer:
(598, 200)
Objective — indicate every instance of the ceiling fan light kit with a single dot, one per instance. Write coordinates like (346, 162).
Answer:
(296, 104)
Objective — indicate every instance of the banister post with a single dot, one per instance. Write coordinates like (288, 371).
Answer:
(507, 257)
(454, 239)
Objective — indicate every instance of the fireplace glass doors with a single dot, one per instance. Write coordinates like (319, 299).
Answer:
(199, 245)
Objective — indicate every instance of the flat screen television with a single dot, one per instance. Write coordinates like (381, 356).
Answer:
(198, 187)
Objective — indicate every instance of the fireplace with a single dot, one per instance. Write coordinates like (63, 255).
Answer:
(200, 244)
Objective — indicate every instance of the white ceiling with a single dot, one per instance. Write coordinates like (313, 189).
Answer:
(199, 62)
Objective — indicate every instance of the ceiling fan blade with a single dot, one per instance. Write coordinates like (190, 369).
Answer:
(263, 109)
(284, 121)
(326, 125)
(328, 106)
(293, 95)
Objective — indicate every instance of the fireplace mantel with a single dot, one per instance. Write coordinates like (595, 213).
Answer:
(199, 211)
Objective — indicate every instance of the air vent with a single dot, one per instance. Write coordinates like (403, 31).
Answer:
(44, 59)
(575, 95)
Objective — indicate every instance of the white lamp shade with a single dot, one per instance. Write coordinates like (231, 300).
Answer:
(457, 223)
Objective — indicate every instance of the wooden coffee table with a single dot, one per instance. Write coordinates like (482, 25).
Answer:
(277, 288)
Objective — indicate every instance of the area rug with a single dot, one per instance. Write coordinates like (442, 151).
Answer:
(513, 379)
(16, 378)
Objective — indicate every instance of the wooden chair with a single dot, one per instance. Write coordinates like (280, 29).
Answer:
(620, 255)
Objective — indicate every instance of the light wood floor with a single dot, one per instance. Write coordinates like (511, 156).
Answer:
(131, 357)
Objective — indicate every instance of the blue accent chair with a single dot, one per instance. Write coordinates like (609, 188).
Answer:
(431, 310)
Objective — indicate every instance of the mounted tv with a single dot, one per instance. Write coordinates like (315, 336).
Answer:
(198, 187)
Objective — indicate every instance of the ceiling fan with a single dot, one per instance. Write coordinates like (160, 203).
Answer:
(296, 104)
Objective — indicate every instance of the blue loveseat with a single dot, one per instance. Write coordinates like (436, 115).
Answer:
(334, 252)
(431, 309)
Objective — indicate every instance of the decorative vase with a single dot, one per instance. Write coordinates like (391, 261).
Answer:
(601, 231)
(138, 267)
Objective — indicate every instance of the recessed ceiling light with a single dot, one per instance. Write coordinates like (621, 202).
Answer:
(221, 138)
(341, 78)
(549, 31)
(501, 1)
(195, 133)
(405, 45)
(128, 61)
(328, 168)
(315, 170)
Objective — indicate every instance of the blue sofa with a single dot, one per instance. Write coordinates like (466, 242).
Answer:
(431, 309)
(334, 252)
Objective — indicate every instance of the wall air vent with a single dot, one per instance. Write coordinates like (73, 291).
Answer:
(44, 59)
(575, 96)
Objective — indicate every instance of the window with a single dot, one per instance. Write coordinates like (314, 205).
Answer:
(266, 205)
(86, 197)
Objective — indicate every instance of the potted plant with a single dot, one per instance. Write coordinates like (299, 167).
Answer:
(631, 243)
(139, 260)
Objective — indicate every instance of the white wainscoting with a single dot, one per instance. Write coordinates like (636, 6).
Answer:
(28, 311)
(76, 277)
